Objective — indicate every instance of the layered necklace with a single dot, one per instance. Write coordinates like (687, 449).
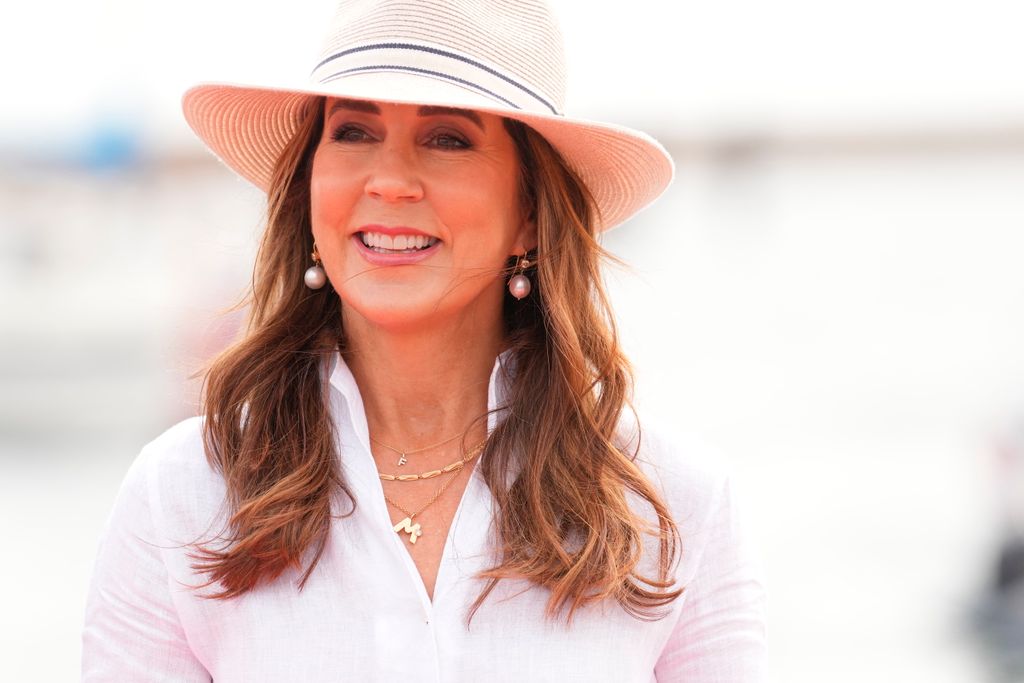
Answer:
(408, 525)
(402, 459)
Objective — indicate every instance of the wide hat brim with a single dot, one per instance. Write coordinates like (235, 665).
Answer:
(247, 126)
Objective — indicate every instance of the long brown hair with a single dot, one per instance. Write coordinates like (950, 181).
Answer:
(564, 523)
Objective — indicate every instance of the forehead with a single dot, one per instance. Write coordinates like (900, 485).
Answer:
(334, 104)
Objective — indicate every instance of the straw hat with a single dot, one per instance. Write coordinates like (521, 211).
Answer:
(498, 56)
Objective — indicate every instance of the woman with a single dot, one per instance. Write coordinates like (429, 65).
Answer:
(419, 463)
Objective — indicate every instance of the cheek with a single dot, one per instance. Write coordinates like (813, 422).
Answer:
(485, 207)
(330, 201)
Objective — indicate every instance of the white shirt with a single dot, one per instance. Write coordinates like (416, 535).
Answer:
(364, 614)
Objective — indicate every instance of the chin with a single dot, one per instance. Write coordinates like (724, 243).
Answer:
(394, 308)
(401, 309)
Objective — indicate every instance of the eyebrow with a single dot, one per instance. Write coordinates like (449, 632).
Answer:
(451, 111)
(425, 110)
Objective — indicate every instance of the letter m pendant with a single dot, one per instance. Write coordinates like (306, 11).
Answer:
(408, 527)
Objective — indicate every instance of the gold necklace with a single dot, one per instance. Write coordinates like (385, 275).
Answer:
(402, 460)
(413, 528)
(450, 467)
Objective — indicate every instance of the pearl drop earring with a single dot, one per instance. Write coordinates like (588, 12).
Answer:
(315, 277)
(519, 285)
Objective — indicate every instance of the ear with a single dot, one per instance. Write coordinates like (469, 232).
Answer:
(526, 240)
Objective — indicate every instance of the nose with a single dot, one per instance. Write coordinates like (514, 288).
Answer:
(394, 177)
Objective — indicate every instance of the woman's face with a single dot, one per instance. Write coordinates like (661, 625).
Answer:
(415, 210)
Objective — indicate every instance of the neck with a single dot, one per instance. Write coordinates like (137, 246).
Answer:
(422, 386)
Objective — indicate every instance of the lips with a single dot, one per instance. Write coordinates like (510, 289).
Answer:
(387, 246)
(404, 243)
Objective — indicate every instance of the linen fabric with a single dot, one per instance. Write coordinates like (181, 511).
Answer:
(364, 614)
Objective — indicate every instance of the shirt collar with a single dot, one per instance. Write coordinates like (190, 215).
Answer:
(342, 379)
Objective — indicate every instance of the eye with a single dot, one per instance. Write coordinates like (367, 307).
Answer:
(349, 133)
(448, 140)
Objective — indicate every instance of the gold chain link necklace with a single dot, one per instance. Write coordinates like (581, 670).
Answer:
(408, 525)
(430, 474)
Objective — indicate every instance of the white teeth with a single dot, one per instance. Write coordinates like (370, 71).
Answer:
(403, 243)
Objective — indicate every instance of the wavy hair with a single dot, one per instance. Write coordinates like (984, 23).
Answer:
(565, 521)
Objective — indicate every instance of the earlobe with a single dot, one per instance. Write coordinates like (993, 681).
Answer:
(527, 241)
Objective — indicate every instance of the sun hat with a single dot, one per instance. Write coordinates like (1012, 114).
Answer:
(498, 56)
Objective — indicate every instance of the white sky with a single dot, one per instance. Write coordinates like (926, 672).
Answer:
(702, 67)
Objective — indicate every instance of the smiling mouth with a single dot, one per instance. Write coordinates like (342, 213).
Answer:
(397, 244)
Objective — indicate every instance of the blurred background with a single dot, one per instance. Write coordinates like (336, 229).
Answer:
(829, 296)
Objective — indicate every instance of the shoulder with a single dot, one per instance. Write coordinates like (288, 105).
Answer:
(700, 491)
(174, 476)
(176, 456)
(689, 473)
(180, 445)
